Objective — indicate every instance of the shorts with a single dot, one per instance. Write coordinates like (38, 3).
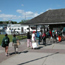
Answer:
(6, 45)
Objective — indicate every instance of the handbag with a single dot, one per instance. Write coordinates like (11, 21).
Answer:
(18, 42)
(14, 44)
(34, 45)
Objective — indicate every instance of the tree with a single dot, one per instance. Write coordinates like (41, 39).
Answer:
(23, 21)
(1, 22)
(13, 22)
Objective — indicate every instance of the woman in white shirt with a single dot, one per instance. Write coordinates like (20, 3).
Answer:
(33, 36)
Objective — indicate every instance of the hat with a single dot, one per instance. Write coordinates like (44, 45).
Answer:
(33, 31)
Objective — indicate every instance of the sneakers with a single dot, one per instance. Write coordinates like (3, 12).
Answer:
(6, 54)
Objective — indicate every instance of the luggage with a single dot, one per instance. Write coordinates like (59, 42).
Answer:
(59, 38)
(34, 45)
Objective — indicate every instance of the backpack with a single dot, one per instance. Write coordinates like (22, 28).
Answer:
(64, 30)
(44, 35)
(37, 35)
(48, 34)
(6, 40)
(3, 43)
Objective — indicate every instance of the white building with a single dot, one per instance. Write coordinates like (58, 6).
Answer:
(20, 29)
(16, 29)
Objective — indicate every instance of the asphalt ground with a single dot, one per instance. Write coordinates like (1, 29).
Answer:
(49, 50)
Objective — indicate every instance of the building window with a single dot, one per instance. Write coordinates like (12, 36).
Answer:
(33, 27)
(18, 28)
(9, 28)
(27, 28)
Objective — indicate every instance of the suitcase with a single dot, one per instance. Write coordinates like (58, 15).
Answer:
(59, 38)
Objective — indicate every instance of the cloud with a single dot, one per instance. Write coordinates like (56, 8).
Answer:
(49, 9)
(22, 5)
(23, 15)
(27, 14)
(20, 11)
(7, 16)
(0, 11)
(41, 12)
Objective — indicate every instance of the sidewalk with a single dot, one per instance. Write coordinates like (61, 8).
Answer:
(11, 50)
(52, 54)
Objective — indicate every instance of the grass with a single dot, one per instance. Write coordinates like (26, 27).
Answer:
(2, 36)
(21, 37)
(10, 37)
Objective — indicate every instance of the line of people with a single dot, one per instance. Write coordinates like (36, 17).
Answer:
(51, 35)
(6, 41)
(31, 38)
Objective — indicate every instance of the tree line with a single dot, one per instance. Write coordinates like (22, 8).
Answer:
(7, 22)
(13, 22)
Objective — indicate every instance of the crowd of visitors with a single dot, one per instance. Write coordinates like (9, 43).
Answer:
(35, 37)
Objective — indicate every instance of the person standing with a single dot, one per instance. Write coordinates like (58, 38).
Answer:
(14, 40)
(53, 35)
(44, 38)
(6, 41)
(38, 36)
(40, 33)
(33, 37)
(50, 32)
(50, 36)
(29, 43)
(34, 44)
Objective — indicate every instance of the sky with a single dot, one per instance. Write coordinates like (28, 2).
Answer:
(18, 10)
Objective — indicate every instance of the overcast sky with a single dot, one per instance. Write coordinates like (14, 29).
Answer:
(17, 10)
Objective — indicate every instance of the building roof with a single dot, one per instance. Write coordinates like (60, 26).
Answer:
(16, 25)
(56, 16)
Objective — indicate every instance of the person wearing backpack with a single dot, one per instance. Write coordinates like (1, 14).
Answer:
(5, 44)
(38, 35)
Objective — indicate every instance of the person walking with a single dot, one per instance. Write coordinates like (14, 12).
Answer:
(29, 43)
(14, 40)
(5, 43)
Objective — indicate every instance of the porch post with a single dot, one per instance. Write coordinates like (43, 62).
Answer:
(44, 28)
(36, 28)
(29, 28)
